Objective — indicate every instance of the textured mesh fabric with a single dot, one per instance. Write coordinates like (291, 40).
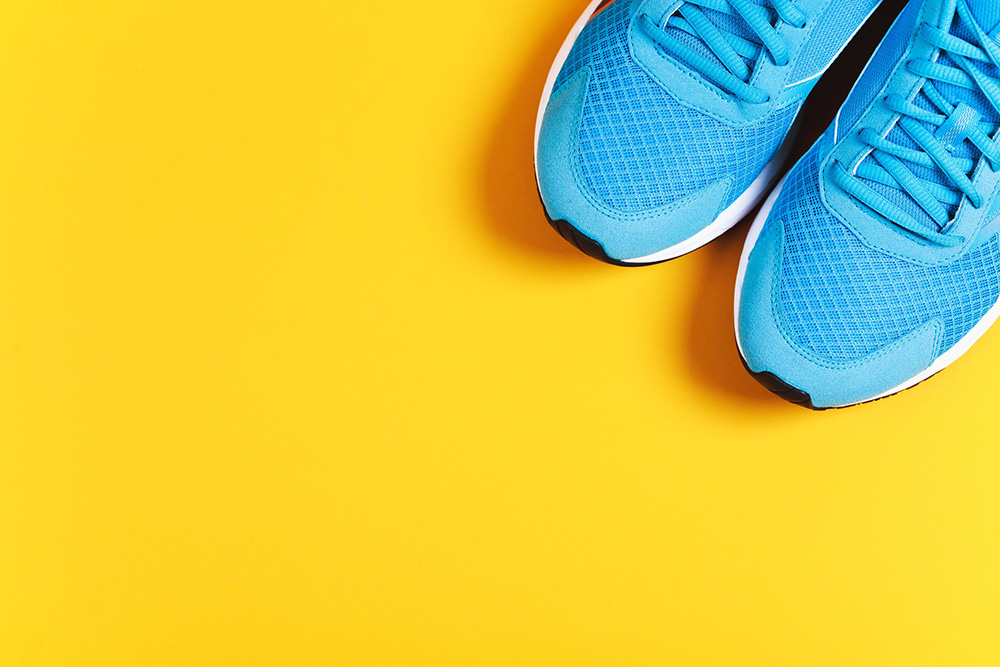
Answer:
(641, 149)
(987, 12)
(839, 21)
(843, 300)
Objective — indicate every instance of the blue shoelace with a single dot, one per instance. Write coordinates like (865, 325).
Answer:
(936, 134)
(731, 73)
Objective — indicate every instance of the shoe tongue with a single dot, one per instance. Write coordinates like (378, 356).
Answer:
(987, 13)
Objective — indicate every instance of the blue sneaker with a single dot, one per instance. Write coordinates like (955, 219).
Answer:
(664, 122)
(878, 262)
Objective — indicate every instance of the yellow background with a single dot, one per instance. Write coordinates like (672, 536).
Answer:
(293, 372)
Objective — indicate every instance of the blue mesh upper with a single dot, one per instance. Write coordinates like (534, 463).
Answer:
(641, 149)
(843, 300)
(987, 13)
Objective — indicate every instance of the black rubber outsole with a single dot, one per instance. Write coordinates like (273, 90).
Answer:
(782, 389)
(587, 245)
(592, 248)
(582, 242)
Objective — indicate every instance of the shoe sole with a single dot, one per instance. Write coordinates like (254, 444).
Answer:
(795, 395)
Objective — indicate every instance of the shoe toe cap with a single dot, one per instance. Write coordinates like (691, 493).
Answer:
(622, 235)
(799, 374)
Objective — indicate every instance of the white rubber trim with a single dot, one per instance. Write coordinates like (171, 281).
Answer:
(752, 236)
(939, 364)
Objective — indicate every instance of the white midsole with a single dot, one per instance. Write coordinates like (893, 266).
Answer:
(752, 236)
(939, 364)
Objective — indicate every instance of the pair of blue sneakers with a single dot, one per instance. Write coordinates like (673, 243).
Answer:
(875, 262)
